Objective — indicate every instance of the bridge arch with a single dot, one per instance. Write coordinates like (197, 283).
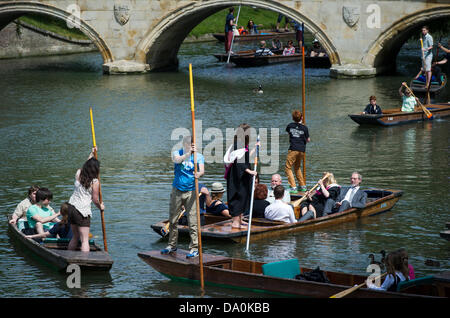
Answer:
(160, 45)
(9, 11)
(382, 52)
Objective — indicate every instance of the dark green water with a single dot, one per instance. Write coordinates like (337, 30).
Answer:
(46, 136)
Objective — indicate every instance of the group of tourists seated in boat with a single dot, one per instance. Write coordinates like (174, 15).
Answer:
(315, 51)
(436, 75)
(252, 28)
(36, 218)
(409, 102)
(276, 46)
(263, 50)
(275, 204)
(331, 198)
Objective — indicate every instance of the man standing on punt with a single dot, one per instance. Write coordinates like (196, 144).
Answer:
(183, 194)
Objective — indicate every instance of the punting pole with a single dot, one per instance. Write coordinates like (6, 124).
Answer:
(303, 94)
(102, 215)
(251, 198)
(232, 38)
(199, 228)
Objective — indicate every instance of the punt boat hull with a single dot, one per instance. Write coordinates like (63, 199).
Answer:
(56, 253)
(248, 275)
(391, 117)
(219, 228)
(256, 37)
(249, 60)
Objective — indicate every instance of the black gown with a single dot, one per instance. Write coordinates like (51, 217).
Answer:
(239, 185)
(318, 200)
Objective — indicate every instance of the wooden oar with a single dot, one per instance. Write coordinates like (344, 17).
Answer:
(351, 290)
(303, 198)
(99, 184)
(425, 110)
(232, 38)
(165, 229)
(199, 228)
(252, 197)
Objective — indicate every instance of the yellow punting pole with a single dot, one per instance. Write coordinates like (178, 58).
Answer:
(99, 184)
(199, 229)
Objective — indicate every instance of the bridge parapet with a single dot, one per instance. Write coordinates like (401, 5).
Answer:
(361, 37)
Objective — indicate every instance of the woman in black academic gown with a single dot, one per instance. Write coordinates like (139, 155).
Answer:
(239, 175)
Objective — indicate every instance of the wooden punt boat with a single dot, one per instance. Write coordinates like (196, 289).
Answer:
(252, 60)
(223, 57)
(54, 252)
(395, 116)
(248, 275)
(219, 228)
(418, 87)
(263, 35)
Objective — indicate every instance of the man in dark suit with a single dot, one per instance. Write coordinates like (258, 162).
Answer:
(349, 197)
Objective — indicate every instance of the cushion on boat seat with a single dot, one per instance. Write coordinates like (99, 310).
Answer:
(426, 280)
(420, 82)
(282, 269)
(61, 240)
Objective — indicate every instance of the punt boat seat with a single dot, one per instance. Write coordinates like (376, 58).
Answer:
(426, 280)
(282, 269)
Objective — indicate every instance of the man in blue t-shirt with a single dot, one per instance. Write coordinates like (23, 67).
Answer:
(183, 194)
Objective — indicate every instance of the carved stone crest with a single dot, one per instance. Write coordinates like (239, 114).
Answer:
(121, 13)
(350, 14)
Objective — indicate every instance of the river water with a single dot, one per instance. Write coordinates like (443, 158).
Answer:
(46, 136)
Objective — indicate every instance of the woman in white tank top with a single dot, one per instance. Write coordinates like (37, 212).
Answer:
(86, 191)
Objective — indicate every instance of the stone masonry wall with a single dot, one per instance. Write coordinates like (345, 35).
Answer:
(17, 41)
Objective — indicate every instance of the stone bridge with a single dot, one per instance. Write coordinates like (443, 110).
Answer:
(362, 37)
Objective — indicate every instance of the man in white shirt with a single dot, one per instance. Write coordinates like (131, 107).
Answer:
(276, 181)
(279, 210)
(263, 51)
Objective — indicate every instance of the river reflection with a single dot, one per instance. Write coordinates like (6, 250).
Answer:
(46, 136)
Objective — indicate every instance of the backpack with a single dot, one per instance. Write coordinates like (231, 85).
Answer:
(316, 275)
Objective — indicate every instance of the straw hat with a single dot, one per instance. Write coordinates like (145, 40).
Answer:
(217, 187)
